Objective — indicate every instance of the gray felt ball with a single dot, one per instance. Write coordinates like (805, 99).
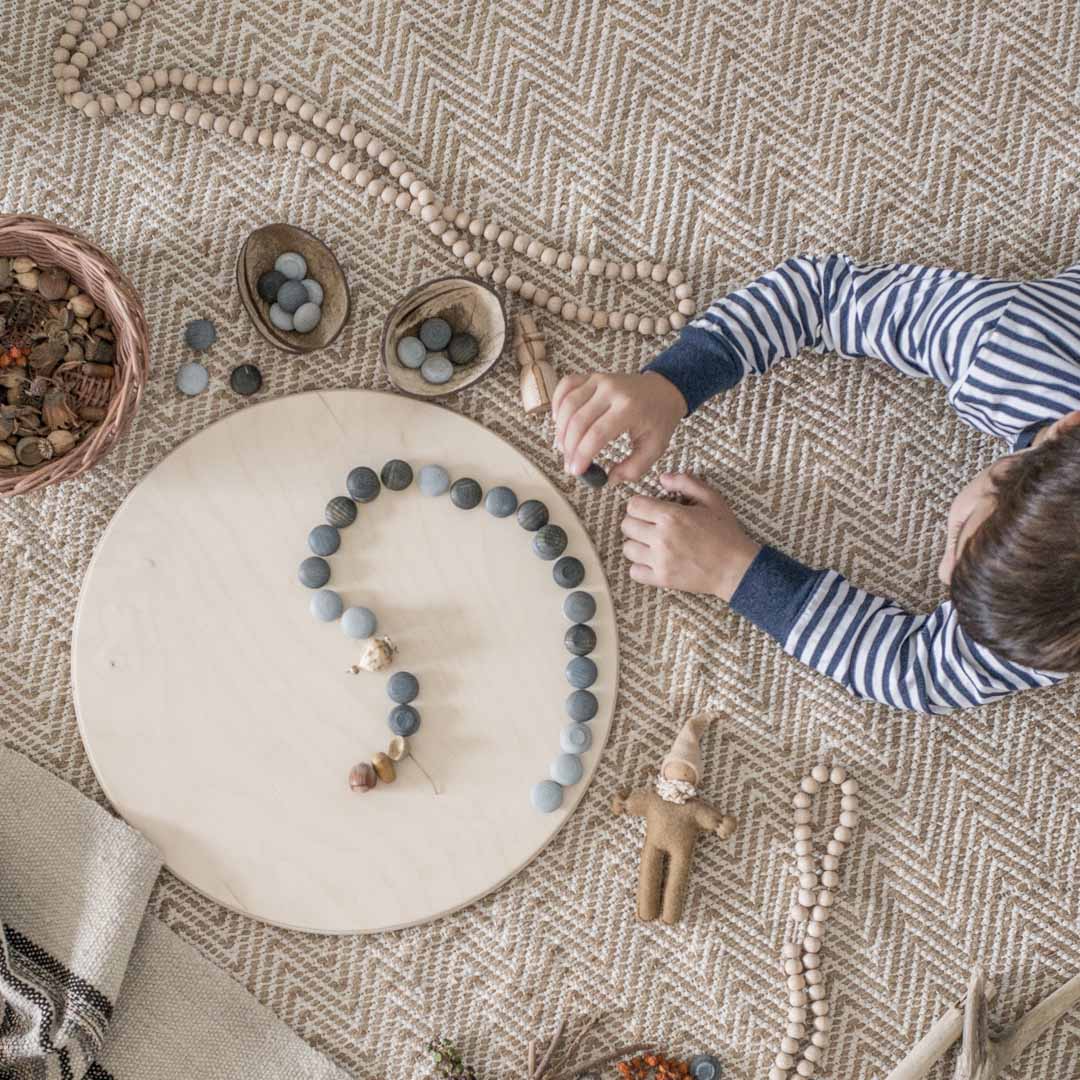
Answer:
(268, 285)
(362, 484)
(435, 334)
(532, 515)
(433, 480)
(314, 572)
(704, 1067)
(324, 540)
(579, 607)
(575, 738)
(463, 349)
(292, 264)
(550, 541)
(581, 705)
(200, 334)
(314, 290)
(340, 511)
(404, 720)
(500, 502)
(581, 672)
(358, 622)
(437, 369)
(594, 476)
(566, 769)
(580, 639)
(192, 379)
(291, 295)
(245, 379)
(280, 317)
(568, 572)
(306, 317)
(396, 474)
(326, 605)
(465, 493)
(546, 797)
(402, 687)
(411, 352)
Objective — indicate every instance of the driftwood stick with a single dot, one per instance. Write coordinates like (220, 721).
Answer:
(976, 1059)
(550, 1050)
(532, 1057)
(1033, 1023)
(577, 1040)
(618, 1054)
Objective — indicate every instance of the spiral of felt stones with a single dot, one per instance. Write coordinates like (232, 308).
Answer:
(581, 705)
(314, 572)
(358, 623)
(402, 687)
(324, 540)
(433, 480)
(813, 898)
(568, 572)
(340, 512)
(575, 738)
(326, 605)
(580, 639)
(404, 720)
(465, 493)
(549, 542)
(581, 672)
(362, 484)
(500, 502)
(579, 607)
(396, 475)
(532, 515)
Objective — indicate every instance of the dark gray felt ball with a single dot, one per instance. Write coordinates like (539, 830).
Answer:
(200, 334)
(246, 379)
(269, 283)
(568, 572)
(340, 511)
(580, 639)
(314, 572)
(500, 502)
(435, 334)
(291, 295)
(594, 476)
(404, 720)
(465, 493)
(581, 705)
(581, 672)
(579, 607)
(362, 484)
(324, 540)
(532, 515)
(396, 474)
(550, 541)
(402, 687)
(463, 349)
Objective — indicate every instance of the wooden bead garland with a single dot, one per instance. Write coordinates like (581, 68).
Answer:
(401, 188)
(813, 900)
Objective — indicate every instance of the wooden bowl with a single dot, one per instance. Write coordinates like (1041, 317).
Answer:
(467, 305)
(258, 255)
(97, 275)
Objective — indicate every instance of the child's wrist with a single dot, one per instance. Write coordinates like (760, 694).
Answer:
(669, 393)
(734, 568)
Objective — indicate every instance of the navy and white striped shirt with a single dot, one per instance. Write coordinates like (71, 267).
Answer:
(1009, 354)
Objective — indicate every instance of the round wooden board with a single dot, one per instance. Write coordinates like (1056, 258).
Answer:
(218, 714)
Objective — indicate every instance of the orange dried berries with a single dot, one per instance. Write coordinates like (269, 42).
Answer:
(653, 1067)
(14, 357)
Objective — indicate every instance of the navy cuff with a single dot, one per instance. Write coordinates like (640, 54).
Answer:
(700, 364)
(1027, 436)
(773, 592)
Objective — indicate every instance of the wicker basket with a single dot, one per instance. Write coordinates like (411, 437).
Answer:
(97, 275)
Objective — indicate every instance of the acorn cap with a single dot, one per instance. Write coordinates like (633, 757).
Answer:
(683, 761)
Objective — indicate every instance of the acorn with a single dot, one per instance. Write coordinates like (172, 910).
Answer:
(7, 456)
(61, 441)
(398, 748)
(383, 765)
(362, 777)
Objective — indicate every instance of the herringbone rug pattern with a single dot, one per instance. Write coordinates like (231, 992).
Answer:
(718, 137)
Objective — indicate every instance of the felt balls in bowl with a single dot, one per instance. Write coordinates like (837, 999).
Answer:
(442, 336)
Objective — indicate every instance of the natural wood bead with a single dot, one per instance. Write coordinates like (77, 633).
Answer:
(374, 147)
(838, 774)
(449, 236)
(799, 913)
(569, 311)
(682, 292)
(397, 170)
(403, 200)
(789, 950)
(281, 137)
(612, 271)
(499, 275)
(176, 76)
(294, 141)
(108, 106)
(663, 326)
(123, 100)
(630, 321)
(293, 103)
(796, 1031)
(347, 132)
(600, 320)
(528, 290)
(564, 260)
(472, 259)
(204, 84)
(68, 41)
(796, 1014)
(386, 158)
(802, 847)
(78, 11)
(415, 186)
(811, 962)
(802, 801)
(323, 154)
(387, 195)
(812, 944)
(133, 11)
(615, 320)
(805, 1069)
(461, 248)
(584, 314)
(644, 269)
(414, 207)
(628, 272)
(250, 134)
(805, 863)
(146, 106)
(778, 1074)
(434, 227)
(99, 38)
(133, 89)
(190, 82)
(597, 267)
(802, 816)
(535, 249)
(364, 177)
(250, 88)
(579, 264)
(430, 212)
(88, 49)
(309, 148)
(792, 966)
(808, 881)
(281, 95)
(266, 136)
(319, 119)
(803, 832)
(513, 283)
(808, 783)
(795, 982)
(806, 898)
(348, 169)
(849, 819)
(359, 140)
(92, 109)
(849, 802)
(220, 87)
(784, 1061)
(830, 862)
(645, 325)
(812, 1053)
(73, 27)
(236, 127)
(505, 239)
(822, 1023)
(819, 914)
(842, 833)
(70, 86)
(659, 273)
(79, 60)
(825, 899)
(119, 19)
(819, 1008)
(307, 111)
(146, 82)
(788, 1045)
(820, 1039)
(830, 878)
(836, 847)
(476, 227)
(675, 277)
(814, 977)
(541, 296)
(449, 212)
(162, 106)
(820, 773)
(850, 787)
(816, 994)
(522, 242)
(555, 304)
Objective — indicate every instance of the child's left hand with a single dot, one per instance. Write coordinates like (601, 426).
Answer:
(697, 546)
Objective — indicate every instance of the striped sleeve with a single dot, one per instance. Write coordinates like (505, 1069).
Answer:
(924, 322)
(870, 645)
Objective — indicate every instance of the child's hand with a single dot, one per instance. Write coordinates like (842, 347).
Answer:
(592, 411)
(697, 546)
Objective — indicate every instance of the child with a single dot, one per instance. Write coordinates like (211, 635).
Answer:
(1008, 353)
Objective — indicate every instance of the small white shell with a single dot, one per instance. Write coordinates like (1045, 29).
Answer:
(378, 654)
(398, 748)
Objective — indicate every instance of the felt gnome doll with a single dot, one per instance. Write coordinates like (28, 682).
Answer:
(674, 816)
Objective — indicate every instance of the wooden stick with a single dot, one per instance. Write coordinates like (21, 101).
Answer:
(576, 1041)
(532, 1057)
(619, 1054)
(1030, 1026)
(976, 1058)
(550, 1050)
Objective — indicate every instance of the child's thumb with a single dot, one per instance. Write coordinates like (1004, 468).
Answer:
(688, 486)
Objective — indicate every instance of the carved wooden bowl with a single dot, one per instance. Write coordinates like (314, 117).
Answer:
(257, 256)
(468, 306)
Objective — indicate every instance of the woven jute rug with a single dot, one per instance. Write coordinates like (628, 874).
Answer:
(718, 137)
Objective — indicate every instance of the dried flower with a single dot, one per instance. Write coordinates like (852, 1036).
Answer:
(447, 1061)
(56, 410)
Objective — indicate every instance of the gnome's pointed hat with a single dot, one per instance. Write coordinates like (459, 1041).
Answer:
(683, 761)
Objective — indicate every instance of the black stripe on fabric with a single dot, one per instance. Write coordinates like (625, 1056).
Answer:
(79, 989)
(96, 1072)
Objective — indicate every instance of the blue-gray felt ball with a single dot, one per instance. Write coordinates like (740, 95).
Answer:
(437, 369)
(314, 290)
(269, 283)
(532, 515)
(433, 480)
(566, 769)
(463, 349)
(396, 474)
(404, 720)
(306, 317)
(568, 572)
(550, 541)
(435, 334)
(290, 296)
(411, 352)
(581, 705)
(358, 622)
(465, 493)
(280, 317)
(326, 605)
(192, 378)
(575, 738)
(362, 484)
(324, 540)
(402, 687)
(580, 639)
(340, 511)
(546, 796)
(200, 334)
(579, 606)
(292, 264)
(581, 672)
(314, 572)
(704, 1067)
(500, 502)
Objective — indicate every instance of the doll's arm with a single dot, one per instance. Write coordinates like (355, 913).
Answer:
(709, 819)
(634, 803)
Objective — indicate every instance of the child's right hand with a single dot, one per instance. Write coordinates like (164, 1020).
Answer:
(592, 411)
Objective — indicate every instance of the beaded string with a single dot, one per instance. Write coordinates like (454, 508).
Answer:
(356, 162)
(813, 898)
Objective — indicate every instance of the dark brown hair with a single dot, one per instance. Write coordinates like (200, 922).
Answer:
(1016, 584)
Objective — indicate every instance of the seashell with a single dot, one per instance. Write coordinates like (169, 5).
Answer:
(28, 280)
(33, 450)
(383, 765)
(52, 283)
(62, 441)
(23, 265)
(82, 306)
(7, 456)
(398, 748)
(378, 654)
(362, 776)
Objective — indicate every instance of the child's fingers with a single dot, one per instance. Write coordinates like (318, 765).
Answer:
(572, 400)
(636, 529)
(643, 574)
(647, 508)
(636, 464)
(582, 426)
(689, 486)
(637, 552)
(605, 429)
(562, 388)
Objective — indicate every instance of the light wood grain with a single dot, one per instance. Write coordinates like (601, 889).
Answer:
(217, 713)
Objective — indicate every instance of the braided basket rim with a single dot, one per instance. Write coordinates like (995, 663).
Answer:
(97, 274)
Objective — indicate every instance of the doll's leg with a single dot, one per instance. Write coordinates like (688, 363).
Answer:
(650, 883)
(678, 876)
